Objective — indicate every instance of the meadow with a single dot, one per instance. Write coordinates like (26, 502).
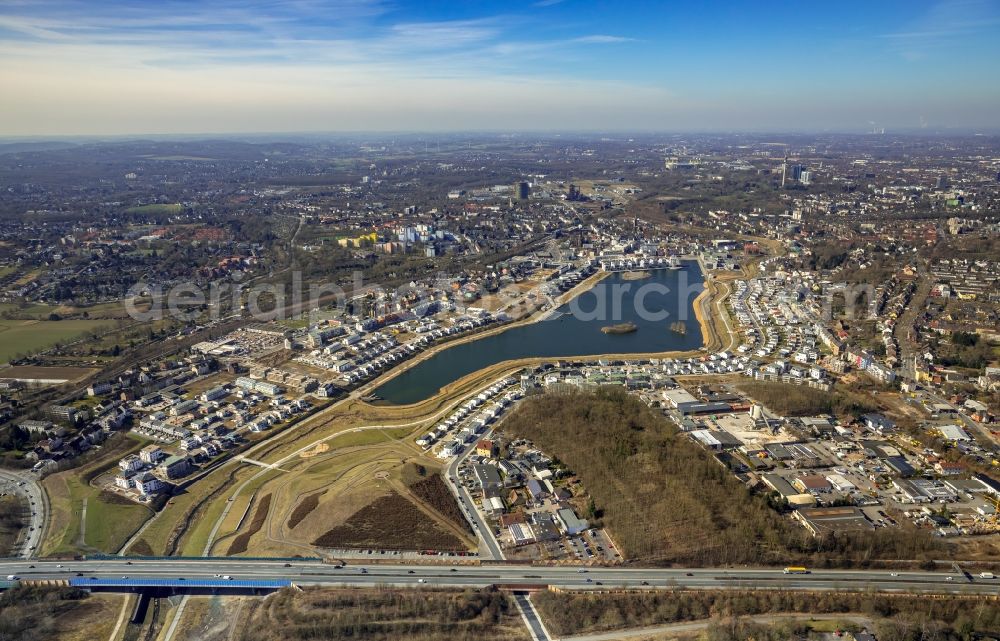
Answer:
(23, 337)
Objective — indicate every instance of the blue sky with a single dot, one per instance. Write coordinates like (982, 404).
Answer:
(181, 66)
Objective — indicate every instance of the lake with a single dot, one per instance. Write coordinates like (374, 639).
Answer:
(652, 304)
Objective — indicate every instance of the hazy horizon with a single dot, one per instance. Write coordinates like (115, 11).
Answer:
(611, 135)
(130, 68)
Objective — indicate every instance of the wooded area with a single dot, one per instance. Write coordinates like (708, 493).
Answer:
(33, 613)
(384, 614)
(12, 509)
(799, 400)
(897, 617)
(665, 500)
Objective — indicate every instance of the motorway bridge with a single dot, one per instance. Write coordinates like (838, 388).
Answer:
(225, 574)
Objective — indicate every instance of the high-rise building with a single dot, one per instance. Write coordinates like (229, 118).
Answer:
(805, 177)
(796, 172)
(942, 182)
(522, 189)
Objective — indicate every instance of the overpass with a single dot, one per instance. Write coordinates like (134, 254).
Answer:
(162, 587)
(125, 574)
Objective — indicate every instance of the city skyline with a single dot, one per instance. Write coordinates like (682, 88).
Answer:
(127, 68)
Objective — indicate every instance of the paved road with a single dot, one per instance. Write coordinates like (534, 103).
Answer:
(966, 420)
(401, 574)
(531, 618)
(38, 502)
(489, 548)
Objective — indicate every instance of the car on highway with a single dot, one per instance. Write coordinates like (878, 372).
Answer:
(421, 580)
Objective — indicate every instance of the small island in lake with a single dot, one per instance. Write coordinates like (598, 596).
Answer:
(620, 328)
(637, 275)
(678, 327)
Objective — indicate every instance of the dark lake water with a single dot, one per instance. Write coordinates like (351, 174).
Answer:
(652, 304)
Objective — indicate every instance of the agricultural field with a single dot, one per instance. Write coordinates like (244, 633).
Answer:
(23, 337)
(156, 209)
(43, 372)
(41, 311)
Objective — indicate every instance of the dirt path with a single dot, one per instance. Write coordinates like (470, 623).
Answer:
(433, 514)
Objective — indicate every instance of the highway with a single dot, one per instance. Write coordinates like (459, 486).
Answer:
(11, 483)
(307, 573)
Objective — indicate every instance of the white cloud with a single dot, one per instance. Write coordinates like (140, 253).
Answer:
(602, 39)
(945, 22)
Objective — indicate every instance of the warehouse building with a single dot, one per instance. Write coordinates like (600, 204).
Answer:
(823, 520)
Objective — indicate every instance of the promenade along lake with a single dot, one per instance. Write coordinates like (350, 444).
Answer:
(652, 304)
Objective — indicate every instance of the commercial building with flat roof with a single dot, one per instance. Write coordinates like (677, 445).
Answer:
(823, 520)
(571, 523)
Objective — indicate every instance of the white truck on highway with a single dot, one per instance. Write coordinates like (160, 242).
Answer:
(986, 575)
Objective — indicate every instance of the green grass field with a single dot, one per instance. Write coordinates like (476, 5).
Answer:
(34, 310)
(25, 336)
(41, 311)
(173, 208)
(111, 522)
(110, 519)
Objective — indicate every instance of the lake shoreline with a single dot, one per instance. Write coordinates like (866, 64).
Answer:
(696, 306)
